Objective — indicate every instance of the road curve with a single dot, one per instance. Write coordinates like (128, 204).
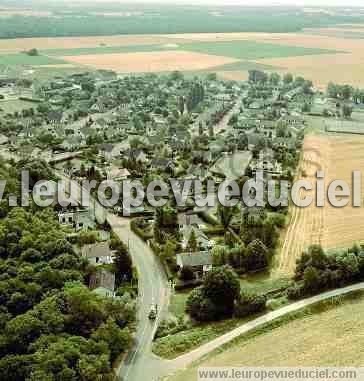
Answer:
(153, 289)
(185, 360)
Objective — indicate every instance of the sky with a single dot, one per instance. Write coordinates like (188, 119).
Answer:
(334, 3)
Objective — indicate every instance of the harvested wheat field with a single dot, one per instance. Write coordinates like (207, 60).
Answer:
(331, 227)
(234, 75)
(146, 62)
(345, 67)
(332, 338)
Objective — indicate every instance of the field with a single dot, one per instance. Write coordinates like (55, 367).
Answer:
(150, 61)
(337, 155)
(15, 105)
(230, 55)
(24, 59)
(329, 337)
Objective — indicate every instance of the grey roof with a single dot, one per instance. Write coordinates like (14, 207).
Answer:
(202, 258)
(102, 278)
(99, 250)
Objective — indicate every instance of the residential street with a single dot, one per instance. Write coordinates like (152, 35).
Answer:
(153, 289)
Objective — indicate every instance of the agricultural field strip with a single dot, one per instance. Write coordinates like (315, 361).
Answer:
(247, 50)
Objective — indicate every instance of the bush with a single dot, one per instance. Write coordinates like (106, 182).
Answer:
(215, 299)
(201, 308)
(187, 274)
(249, 305)
(295, 292)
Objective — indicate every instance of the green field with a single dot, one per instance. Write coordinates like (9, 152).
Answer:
(24, 59)
(105, 50)
(244, 50)
(16, 105)
(251, 50)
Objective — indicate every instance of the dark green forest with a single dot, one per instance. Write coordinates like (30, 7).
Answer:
(52, 327)
(82, 21)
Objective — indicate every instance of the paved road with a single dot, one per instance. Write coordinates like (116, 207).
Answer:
(185, 360)
(153, 288)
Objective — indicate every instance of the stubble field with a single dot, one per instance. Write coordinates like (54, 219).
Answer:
(338, 156)
(150, 62)
(332, 337)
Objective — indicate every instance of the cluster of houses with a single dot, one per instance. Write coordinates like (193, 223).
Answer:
(135, 127)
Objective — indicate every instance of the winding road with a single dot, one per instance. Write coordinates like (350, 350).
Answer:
(153, 289)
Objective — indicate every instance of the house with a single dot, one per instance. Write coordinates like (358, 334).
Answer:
(118, 174)
(293, 120)
(106, 150)
(98, 253)
(203, 242)
(162, 164)
(200, 262)
(102, 282)
(185, 219)
(55, 118)
(136, 155)
(79, 219)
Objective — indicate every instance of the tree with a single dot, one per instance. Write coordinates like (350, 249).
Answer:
(306, 107)
(347, 111)
(250, 304)
(257, 76)
(346, 92)
(211, 77)
(117, 340)
(288, 78)
(311, 279)
(256, 256)
(225, 215)
(192, 242)
(274, 79)
(32, 52)
(200, 128)
(199, 307)
(187, 274)
(88, 86)
(332, 90)
(215, 299)
(221, 285)
(123, 265)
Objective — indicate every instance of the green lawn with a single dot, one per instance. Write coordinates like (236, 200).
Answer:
(178, 303)
(24, 59)
(263, 283)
